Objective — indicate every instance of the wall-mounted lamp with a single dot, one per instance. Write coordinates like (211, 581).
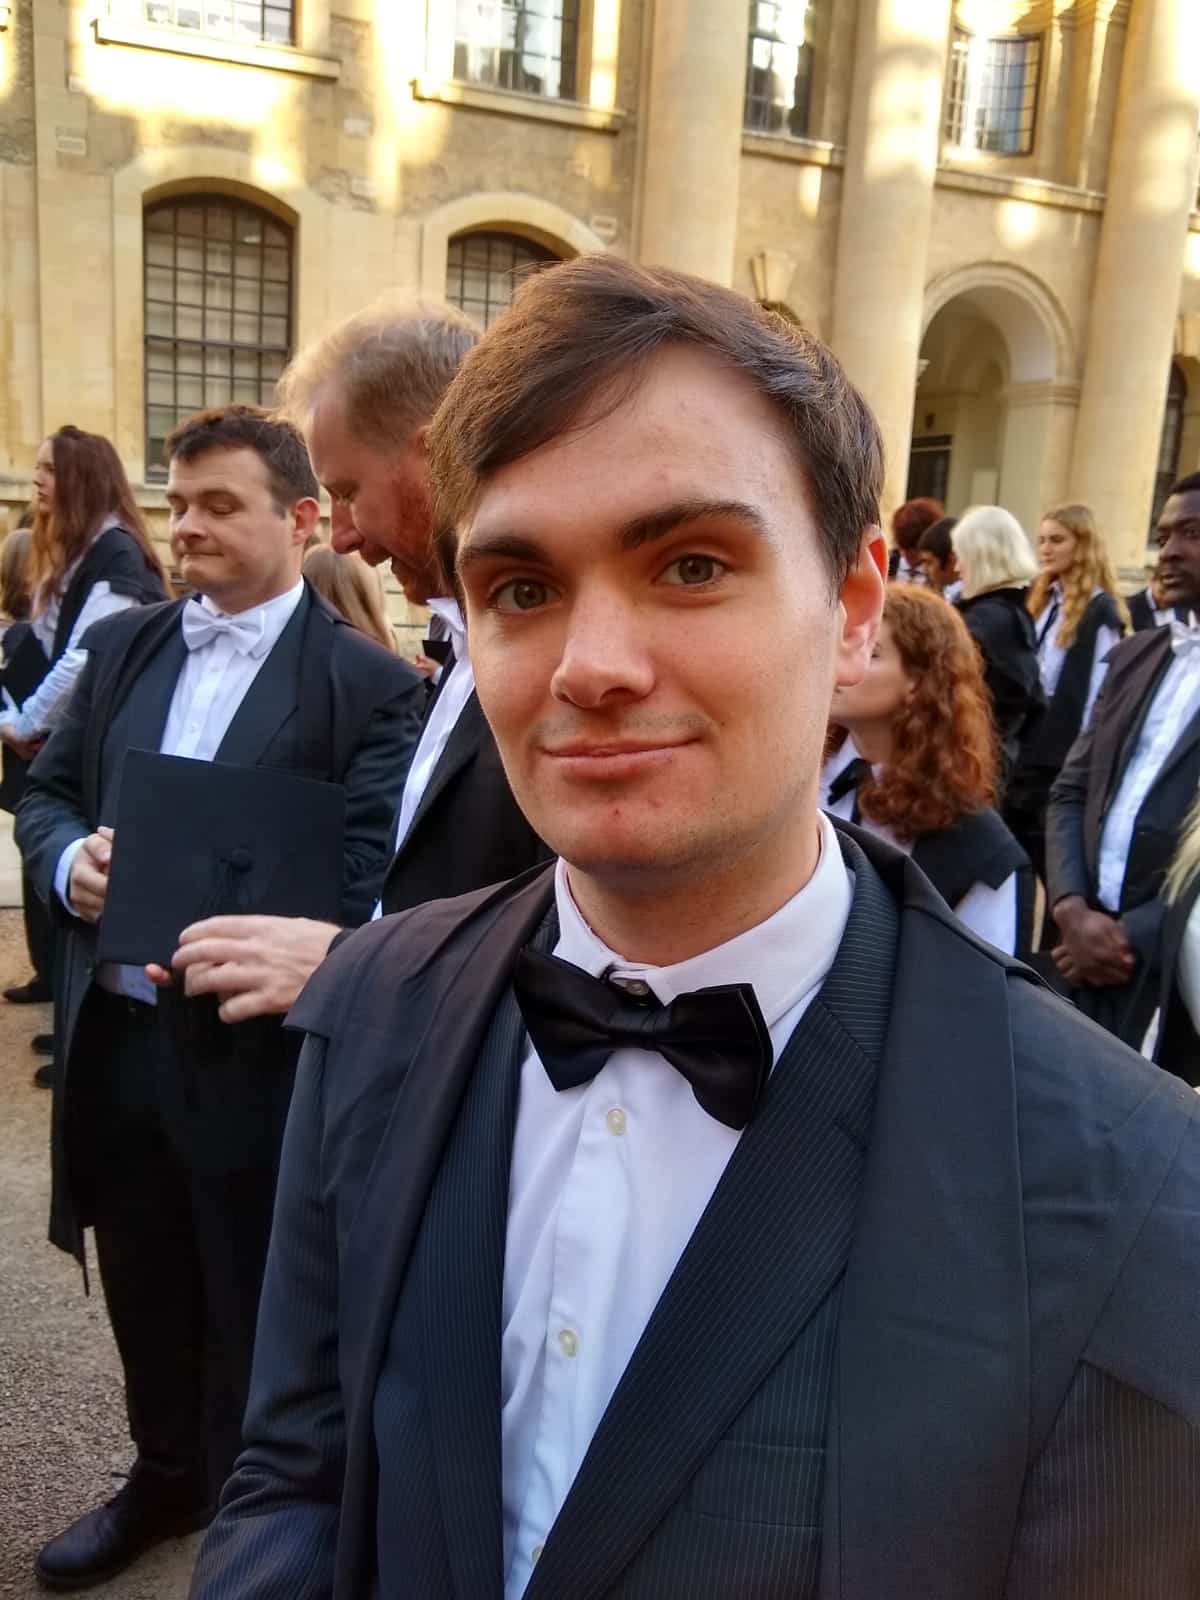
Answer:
(772, 271)
(5, 14)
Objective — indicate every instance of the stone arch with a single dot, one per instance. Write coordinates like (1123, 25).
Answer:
(507, 212)
(158, 174)
(1034, 325)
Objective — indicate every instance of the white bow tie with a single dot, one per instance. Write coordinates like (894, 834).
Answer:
(1185, 636)
(201, 627)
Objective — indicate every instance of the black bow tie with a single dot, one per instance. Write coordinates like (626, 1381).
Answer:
(716, 1037)
(849, 778)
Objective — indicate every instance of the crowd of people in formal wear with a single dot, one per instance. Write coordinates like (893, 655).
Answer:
(665, 1088)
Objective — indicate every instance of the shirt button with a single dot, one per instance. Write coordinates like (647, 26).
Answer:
(535, 1553)
(568, 1342)
(616, 1121)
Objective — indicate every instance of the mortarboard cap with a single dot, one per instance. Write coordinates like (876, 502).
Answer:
(195, 839)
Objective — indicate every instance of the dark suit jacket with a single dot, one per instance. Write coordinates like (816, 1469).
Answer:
(1177, 1047)
(1012, 1307)
(327, 703)
(1088, 784)
(467, 831)
(1142, 609)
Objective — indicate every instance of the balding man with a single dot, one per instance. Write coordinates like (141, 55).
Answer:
(364, 397)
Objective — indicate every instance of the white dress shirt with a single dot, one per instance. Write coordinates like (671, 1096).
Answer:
(44, 709)
(211, 686)
(608, 1182)
(435, 735)
(1176, 701)
(1052, 655)
(991, 913)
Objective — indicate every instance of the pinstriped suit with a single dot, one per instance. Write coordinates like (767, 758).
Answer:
(935, 1336)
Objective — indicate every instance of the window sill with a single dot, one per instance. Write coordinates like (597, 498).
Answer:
(183, 42)
(507, 102)
(785, 147)
(1039, 191)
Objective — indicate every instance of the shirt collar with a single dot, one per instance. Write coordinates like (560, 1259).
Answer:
(451, 614)
(275, 615)
(783, 958)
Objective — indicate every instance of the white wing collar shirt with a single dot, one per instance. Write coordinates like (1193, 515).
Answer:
(608, 1182)
(225, 655)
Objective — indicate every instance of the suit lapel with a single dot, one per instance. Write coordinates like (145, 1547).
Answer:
(462, 1280)
(934, 1335)
(461, 747)
(765, 1255)
(141, 695)
(391, 1209)
(271, 699)
(1140, 688)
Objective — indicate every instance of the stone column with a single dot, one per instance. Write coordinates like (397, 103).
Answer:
(1139, 272)
(887, 206)
(692, 140)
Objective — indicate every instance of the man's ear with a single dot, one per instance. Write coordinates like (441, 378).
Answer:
(861, 608)
(306, 514)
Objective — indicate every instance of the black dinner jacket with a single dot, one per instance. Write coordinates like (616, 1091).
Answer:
(327, 703)
(467, 830)
(1087, 785)
(1017, 1301)
(1177, 1047)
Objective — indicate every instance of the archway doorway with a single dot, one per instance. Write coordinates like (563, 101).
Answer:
(991, 420)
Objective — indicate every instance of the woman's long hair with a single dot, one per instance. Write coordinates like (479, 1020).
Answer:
(1185, 863)
(89, 485)
(943, 760)
(353, 588)
(1090, 570)
(16, 597)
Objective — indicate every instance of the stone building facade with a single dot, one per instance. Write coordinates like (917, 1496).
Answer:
(987, 207)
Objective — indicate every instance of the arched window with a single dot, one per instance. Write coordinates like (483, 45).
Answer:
(531, 46)
(483, 269)
(256, 21)
(218, 309)
(779, 67)
(1169, 442)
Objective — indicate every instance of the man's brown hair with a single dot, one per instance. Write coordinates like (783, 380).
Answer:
(275, 442)
(588, 327)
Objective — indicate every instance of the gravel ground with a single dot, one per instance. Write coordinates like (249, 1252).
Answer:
(63, 1437)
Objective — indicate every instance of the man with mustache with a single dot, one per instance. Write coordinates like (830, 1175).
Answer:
(1127, 784)
(708, 1215)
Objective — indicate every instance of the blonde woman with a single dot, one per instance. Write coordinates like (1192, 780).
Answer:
(996, 565)
(354, 589)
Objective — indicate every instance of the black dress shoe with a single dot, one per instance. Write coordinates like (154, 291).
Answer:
(43, 1078)
(112, 1537)
(28, 994)
(42, 1044)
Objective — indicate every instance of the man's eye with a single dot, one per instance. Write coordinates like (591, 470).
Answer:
(693, 570)
(522, 594)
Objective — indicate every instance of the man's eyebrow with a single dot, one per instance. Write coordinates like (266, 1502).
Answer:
(658, 524)
(635, 533)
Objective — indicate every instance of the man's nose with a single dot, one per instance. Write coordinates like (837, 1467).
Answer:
(604, 655)
(343, 535)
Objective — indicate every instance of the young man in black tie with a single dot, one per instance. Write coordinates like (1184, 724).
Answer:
(709, 1215)
(166, 1124)
(1125, 788)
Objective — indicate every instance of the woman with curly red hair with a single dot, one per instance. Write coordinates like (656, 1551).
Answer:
(921, 721)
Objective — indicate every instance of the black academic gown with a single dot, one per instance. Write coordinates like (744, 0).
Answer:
(961, 1222)
(327, 703)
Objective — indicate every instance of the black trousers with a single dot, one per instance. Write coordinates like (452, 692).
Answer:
(39, 931)
(181, 1247)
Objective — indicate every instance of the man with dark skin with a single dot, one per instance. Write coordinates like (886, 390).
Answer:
(1125, 787)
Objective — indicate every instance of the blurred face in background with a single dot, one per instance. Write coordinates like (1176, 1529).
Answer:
(1056, 548)
(43, 477)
